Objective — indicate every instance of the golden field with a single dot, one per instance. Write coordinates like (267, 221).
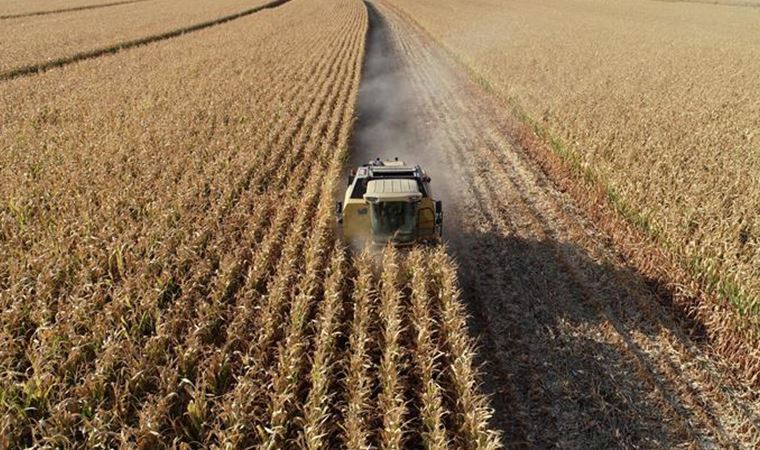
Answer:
(14, 8)
(33, 40)
(657, 101)
(170, 273)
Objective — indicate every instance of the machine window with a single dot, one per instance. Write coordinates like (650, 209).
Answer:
(395, 221)
(360, 188)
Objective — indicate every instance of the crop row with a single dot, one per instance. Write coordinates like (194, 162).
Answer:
(170, 271)
(19, 8)
(132, 251)
(28, 42)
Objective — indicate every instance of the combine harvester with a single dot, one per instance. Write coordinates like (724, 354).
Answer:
(390, 202)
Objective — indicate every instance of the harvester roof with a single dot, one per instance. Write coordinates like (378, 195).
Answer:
(392, 189)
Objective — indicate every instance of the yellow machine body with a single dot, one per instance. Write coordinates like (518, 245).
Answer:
(390, 202)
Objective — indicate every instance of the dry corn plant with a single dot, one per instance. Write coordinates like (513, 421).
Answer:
(64, 36)
(170, 274)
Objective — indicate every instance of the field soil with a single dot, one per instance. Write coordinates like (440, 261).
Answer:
(666, 120)
(578, 351)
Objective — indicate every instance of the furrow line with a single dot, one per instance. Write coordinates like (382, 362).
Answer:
(65, 10)
(115, 48)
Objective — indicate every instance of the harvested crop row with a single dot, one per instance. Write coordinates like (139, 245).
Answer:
(172, 274)
(30, 41)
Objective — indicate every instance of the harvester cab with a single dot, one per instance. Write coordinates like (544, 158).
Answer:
(390, 202)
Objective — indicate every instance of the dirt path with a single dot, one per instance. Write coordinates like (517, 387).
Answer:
(579, 352)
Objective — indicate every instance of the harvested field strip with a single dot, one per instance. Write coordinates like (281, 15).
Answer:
(639, 152)
(65, 10)
(632, 345)
(686, 280)
(628, 366)
(48, 50)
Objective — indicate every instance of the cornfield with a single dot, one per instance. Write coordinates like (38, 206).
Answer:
(24, 8)
(56, 37)
(664, 121)
(170, 275)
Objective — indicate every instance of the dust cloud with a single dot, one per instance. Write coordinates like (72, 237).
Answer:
(390, 120)
(386, 103)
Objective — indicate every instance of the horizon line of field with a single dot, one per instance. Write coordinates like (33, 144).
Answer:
(72, 9)
(39, 68)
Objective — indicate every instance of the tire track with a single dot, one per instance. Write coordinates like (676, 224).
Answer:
(581, 351)
(655, 327)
